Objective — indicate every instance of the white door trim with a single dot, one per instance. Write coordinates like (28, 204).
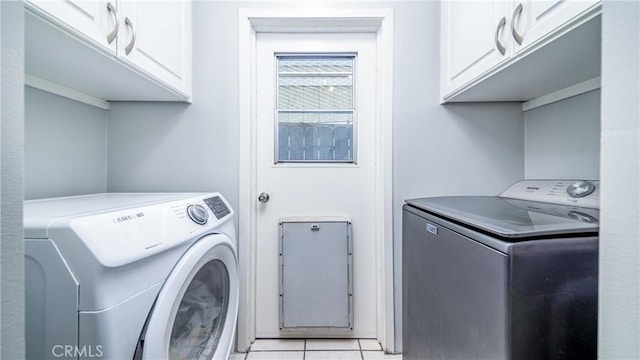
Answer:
(253, 21)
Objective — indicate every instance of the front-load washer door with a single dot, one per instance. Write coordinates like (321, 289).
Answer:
(195, 314)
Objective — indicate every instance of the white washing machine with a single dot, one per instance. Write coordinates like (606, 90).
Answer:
(124, 276)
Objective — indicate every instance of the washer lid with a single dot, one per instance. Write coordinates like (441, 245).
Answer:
(511, 218)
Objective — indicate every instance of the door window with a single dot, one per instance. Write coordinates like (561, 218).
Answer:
(201, 315)
(315, 108)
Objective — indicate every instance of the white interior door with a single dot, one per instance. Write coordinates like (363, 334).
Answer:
(316, 153)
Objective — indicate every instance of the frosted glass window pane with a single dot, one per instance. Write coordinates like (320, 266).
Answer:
(315, 97)
(316, 118)
(309, 64)
(315, 83)
(315, 106)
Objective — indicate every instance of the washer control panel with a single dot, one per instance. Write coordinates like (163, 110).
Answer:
(580, 189)
(198, 214)
(582, 193)
(129, 233)
(217, 206)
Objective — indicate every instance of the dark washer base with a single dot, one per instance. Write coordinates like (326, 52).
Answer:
(465, 300)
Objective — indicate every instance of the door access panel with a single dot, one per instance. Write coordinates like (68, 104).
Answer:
(316, 278)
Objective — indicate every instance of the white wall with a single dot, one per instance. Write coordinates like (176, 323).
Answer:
(456, 149)
(65, 146)
(11, 188)
(181, 147)
(619, 322)
(438, 150)
(562, 140)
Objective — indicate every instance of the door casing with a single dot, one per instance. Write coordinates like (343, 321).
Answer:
(378, 21)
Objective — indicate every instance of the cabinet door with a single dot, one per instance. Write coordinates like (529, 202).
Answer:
(538, 18)
(468, 40)
(91, 20)
(159, 36)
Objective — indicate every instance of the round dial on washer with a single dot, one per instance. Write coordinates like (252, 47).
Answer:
(580, 189)
(580, 216)
(198, 214)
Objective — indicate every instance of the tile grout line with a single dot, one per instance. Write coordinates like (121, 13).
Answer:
(305, 349)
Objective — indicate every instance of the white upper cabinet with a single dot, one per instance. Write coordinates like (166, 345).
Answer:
(470, 33)
(516, 50)
(156, 37)
(122, 50)
(96, 20)
(533, 20)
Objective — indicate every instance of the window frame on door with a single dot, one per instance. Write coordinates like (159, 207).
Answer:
(353, 56)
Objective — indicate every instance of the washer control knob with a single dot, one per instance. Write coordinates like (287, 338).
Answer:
(198, 214)
(580, 216)
(580, 189)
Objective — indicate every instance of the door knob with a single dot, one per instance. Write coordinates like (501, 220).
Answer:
(263, 197)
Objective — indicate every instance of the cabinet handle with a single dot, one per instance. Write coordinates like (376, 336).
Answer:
(129, 47)
(499, 45)
(516, 15)
(114, 32)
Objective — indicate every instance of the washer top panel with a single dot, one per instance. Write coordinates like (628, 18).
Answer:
(39, 213)
(119, 229)
(582, 193)
(512, 218)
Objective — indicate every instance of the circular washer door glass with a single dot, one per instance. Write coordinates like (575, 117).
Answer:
(201, 314)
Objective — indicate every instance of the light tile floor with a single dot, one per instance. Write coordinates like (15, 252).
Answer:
(315, 349)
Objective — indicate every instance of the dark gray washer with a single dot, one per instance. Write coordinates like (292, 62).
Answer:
(468, 295)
